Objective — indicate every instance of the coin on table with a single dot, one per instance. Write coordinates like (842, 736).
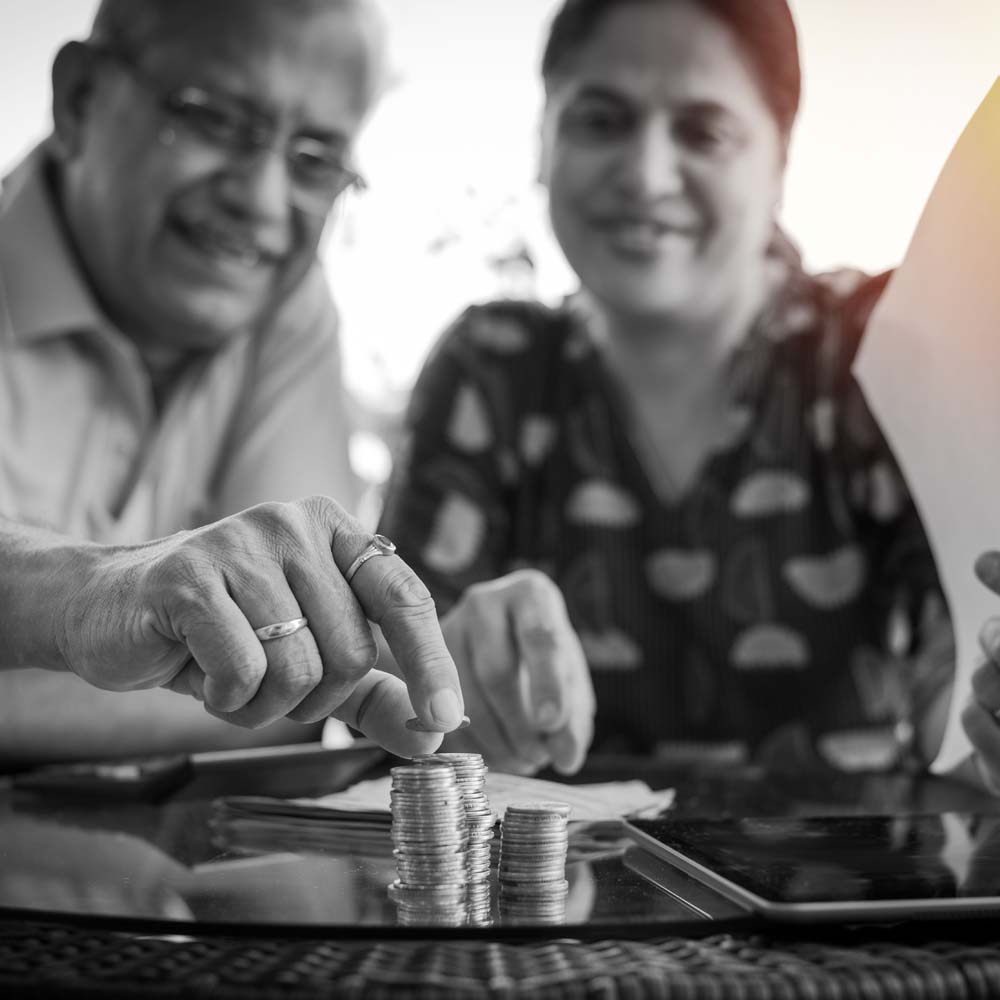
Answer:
(470, 776)
(534, 841)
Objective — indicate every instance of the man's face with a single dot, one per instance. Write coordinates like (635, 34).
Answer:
(187, 238)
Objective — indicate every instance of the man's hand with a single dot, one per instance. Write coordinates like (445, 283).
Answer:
(980, 714)
(526, 682)
(180, 613)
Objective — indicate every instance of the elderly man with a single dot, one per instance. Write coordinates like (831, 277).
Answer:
(168, 346)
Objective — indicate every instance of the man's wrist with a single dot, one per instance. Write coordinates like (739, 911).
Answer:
(43, 573)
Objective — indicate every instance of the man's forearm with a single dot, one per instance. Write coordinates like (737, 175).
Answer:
(39, 573)
(50, 713)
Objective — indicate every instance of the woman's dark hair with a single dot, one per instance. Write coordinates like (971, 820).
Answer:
(764, 28)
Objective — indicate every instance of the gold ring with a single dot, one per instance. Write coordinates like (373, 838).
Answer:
(280, 629)
(378, 546)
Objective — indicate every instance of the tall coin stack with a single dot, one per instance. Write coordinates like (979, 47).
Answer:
(430, 841)
(534, 839)
(470, 772)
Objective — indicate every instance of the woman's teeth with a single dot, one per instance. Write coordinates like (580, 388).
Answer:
(644, 237)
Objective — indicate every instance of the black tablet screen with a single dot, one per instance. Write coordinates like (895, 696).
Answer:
(843, 858)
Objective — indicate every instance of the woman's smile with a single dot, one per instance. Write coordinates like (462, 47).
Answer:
(646, 236)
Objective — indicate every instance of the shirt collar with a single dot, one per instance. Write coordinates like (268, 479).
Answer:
(42, 288)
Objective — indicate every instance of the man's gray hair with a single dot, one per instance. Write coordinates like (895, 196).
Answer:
(131, 24)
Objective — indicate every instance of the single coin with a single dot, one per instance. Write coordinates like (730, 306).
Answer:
(534, 808)
(417, 725)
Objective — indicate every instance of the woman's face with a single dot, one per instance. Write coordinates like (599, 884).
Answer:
(663, 163)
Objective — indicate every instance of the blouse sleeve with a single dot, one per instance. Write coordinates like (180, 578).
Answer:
(447, 506)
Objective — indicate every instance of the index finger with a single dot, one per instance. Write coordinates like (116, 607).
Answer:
(395, 599)
(985, 684)
(550, 654)
(558, 676)
(989, 640)
(539, 624)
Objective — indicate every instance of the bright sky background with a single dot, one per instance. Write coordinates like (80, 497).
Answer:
(889, 84)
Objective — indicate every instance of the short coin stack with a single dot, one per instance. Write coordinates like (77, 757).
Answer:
(430, 841)
(470, 772)
(533, 842)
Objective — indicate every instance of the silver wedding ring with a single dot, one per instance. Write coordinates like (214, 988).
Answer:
(280, 629)
(378, 546)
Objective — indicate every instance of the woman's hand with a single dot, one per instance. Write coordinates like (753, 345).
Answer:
(980, 715)
(526, 683)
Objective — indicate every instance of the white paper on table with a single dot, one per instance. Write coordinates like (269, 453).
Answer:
(589, 803)
(930, 367)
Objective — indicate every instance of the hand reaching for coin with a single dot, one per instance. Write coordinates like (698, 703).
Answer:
(253, 615)
(526, 682)
(980, 714)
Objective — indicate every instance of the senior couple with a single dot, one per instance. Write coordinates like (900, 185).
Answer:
(658, 518)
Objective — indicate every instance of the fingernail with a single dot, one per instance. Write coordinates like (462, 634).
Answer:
(446, 710)
(547, 714)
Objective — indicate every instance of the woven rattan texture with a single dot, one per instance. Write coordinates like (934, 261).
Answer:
(50, 960)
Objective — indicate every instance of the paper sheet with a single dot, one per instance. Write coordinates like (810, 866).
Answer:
(930, 367)
(589, 803)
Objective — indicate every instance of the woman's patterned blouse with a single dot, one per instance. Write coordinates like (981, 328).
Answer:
(787, 605)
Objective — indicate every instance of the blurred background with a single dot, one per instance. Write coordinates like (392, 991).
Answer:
(453, 214)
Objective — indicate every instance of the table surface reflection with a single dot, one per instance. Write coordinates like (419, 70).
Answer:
(173, 863)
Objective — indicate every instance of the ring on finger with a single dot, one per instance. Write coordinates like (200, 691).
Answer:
(278, 630)
(378, 546)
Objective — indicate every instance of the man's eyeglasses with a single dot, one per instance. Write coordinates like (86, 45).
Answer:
(316, 168)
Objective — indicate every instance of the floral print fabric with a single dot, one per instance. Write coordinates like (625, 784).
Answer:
(787, 600)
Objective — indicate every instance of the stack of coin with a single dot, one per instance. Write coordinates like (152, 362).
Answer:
(470, 772)
(533, 842)
(430, 841)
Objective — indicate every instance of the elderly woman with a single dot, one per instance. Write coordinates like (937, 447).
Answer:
(680, 446)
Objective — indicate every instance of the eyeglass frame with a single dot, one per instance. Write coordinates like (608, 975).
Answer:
(253, 129)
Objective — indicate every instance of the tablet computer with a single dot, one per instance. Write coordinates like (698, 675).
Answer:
(838, 867)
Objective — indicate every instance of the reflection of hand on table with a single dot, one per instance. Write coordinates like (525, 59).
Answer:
(282, 887)
(582, 892)
(982, 878)
(64, 869)
(526, 683)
